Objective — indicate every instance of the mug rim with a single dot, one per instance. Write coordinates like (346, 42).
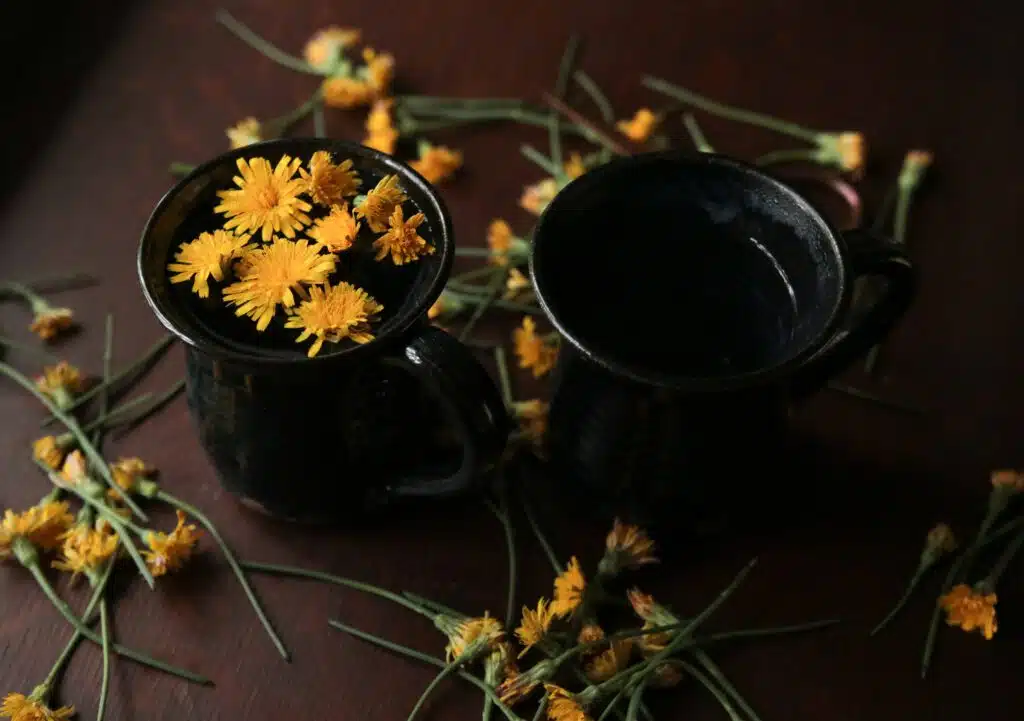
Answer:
(674, 381)
(444, 244)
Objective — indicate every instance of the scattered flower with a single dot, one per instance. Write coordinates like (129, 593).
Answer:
(127, 474)
(267, 199)
(574, 166)
(86, 549)
(535, 625)
(328, 183)
(436, 162)
(42, 525)
(970, 610)
(534, 353)
(245, 132)
(471, 636)
(446, 304)
(336, 231)
(50, 322)
(323, 50)
(49, 450)
(60, 382)
(563, 706)
(610, 662)
(591, 633)
(844, 150)
(332, 313)
(402, 241)
(276, 272)
(381, 132)
(344, 92)
(377, 206)
(515, 283)
(626, 547)
(569, 588)
(536, 197)
(640, 126)
(19, 707)
(1009, 480)
(499, 240)
(940, 540)
(208, 256)
(75, 469)
(170, 551)
(517, 686)
(379, 71)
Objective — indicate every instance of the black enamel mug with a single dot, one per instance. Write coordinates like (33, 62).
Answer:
(409, 414)
(697, 298)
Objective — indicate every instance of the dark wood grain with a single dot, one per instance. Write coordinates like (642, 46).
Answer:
(168, 80)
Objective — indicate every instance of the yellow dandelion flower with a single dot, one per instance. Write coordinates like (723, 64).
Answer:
(19, 707)
(970, 610)
(536, 197)
(518, 685)
(569, 588)
(49, 451)
(436, 162)
(574, 166)
(336, 231)
(563, 706)
(382, 140)
(515, 283)
(245, 132)
(499, 240)
(276, 272)
(42, 525)
(377, 206)
(334, 313)
(402, 241)
(626, 547)
(652, 643)
(533, 418)
(170, 551)
(640, 126)
(50, 322)
(610, 662)
(127, 472)
(323, 49)
(446, 304)
(915, 162)
(345, 92)
(845, 150)
(60, 382)
(267, 199)
(534, 353)
(472, 635)
(75, 468)
(379, 118)
(591, 633)
(208, 256)
(327, 183)
(1008, 480)
(85, 550)
(535, 625)
(380, 70)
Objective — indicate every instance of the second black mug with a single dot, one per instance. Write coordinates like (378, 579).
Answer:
(697, 297)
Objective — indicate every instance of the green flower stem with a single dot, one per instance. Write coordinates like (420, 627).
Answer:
(594, 92)
(612, 704)
(794, 155)
(35, 301)
(715, 673)
(499, 303)
(907, 593)
(474, 252)
(429, 660)
(565, 67)
(494, 289)
(863, 395)
(59, 283)
(263, 47)
(542, 707)
(696, 134)
(483, 272)
(414, 102)
(296, 572)
(504, 377)
(133, 420)
(537, 158)
(40, 353)
(719, 695)
(116, 416)
(87, 633)
(180, 169)
(281, 124)
(539, 535)
(768, 631)
(105, 678)
(515, 115)
(433, 606)
(319, 121)
(988, 585)
(108, 353)
(119, 524)
(72, 425)
(502, 514)
(878, 225)
(151, 355)
(233, 562)
(688, 97)
(444, 673)
(635, 701)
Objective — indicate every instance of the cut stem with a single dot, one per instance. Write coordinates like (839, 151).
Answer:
(433, 606)
(279, 570)
(105, 678)
(497, 282)
(233, 562)
(504, 377)
(180, 169)
(794, 155)
(561, 85)
(118, 414)
(716, 673)
(719, 695)
(537, 158)
(597, 96)
(899, 221)
(688, 97)
(539, 535)
(502, 514)
(132, 421)
(441, 676)
(263, 47)
(696, 134)
(40, 353)
(108, 352)
(907, 593)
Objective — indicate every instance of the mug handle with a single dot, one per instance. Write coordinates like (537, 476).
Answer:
(869, 255)
(471, 402)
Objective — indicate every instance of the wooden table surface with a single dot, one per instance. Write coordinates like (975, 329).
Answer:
(104, 99)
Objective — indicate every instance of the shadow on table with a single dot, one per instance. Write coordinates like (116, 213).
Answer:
(48, 52)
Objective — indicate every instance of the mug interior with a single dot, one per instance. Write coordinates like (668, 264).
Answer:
(405, 291)
(676, 268)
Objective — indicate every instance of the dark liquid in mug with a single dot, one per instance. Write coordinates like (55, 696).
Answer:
(700, 305)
